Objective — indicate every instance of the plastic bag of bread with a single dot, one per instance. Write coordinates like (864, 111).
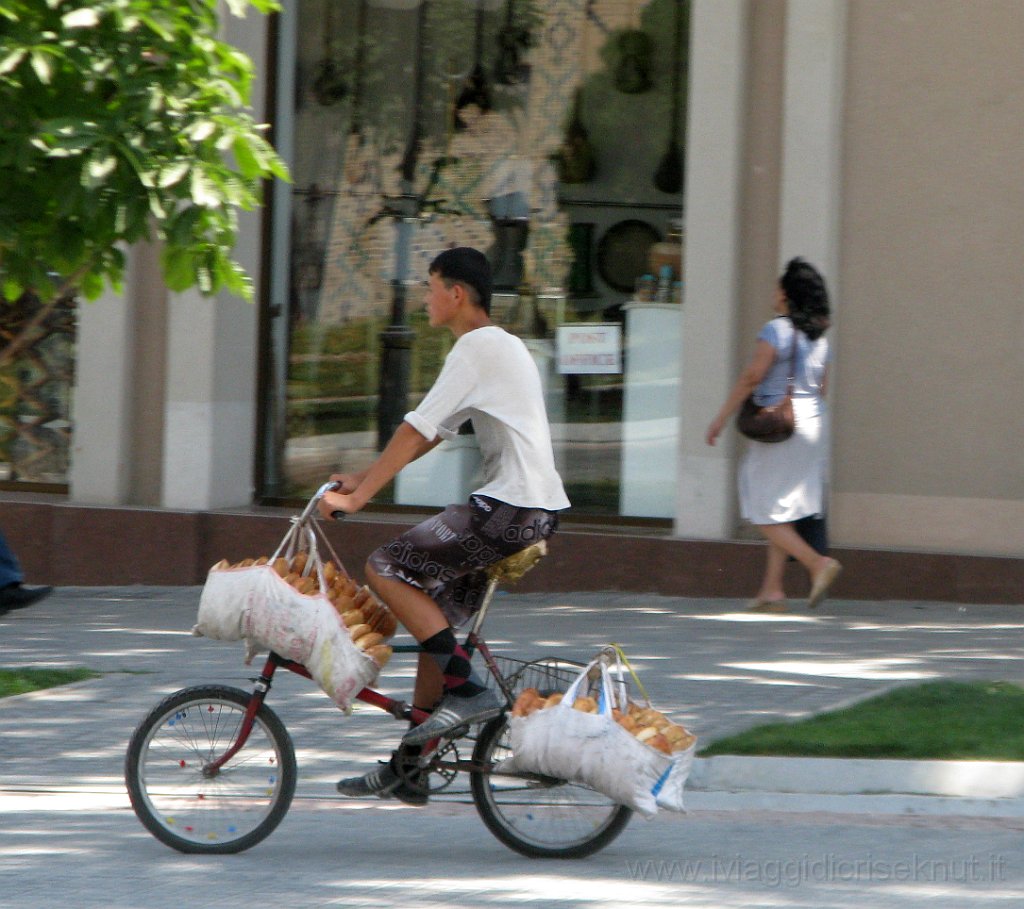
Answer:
(303, 607)
(596, 735)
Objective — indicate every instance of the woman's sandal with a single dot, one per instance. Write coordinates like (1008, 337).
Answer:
(759, 605)
(822, 582)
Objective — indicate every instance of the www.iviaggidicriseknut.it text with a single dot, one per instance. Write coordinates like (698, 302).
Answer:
(826, 868)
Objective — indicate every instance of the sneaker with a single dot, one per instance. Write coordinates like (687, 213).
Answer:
(454, 712)
(384, 783)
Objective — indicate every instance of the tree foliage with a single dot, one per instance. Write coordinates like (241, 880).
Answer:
(120, 121)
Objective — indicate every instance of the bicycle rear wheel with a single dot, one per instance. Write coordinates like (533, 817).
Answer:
(181, 800)
(541, 818)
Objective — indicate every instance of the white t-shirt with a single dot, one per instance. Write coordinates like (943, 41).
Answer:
(490, 378)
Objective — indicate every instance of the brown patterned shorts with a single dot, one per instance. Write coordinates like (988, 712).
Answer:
(446, 555)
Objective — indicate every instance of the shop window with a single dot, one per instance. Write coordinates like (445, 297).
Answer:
(547, 133)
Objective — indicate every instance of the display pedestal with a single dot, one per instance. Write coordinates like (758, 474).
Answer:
(650, 419)
(444, 476)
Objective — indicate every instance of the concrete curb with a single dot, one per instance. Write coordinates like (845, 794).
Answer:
(957, 779)
(868, 805)
(976, 788)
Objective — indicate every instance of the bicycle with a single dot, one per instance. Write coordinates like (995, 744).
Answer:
(212, 768)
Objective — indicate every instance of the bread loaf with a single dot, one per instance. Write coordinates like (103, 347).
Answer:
(358, 630)
(366, 641)
(649, 726)
(380, 654)
(306, 585)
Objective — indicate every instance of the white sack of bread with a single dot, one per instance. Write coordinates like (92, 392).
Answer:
(258, 606)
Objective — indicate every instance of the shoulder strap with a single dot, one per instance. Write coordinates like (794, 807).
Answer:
(792, 362)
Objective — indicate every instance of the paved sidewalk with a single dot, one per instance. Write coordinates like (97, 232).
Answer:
(717, 668)
(68, 837)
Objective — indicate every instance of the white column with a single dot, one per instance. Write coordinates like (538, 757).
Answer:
(210, 420)
(714, 176)
(812, 133)
(212, 355)
(102, 415)
(119, 374)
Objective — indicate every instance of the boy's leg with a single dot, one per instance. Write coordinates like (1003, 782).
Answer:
(412, 574)
(423, 619)
(429, 683)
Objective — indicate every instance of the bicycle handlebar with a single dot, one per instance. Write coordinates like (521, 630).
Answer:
(329, 486)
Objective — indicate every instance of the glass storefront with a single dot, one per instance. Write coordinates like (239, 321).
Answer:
(547, 133)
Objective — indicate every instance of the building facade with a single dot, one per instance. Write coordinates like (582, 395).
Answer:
(879, 139)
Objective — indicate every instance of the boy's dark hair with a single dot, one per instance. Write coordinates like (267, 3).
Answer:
(807, 295)
(468, 266)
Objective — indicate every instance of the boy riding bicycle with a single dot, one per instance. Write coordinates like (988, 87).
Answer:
(432, 576)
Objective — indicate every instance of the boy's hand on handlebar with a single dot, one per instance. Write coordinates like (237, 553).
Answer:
(346, 482)
(332, 502)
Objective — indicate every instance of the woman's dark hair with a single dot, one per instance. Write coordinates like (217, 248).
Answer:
(807, 295)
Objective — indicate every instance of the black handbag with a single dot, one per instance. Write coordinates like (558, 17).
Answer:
(774, 423)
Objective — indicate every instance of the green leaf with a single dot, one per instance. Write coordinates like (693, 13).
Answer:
(41, 66)
(12, 289)
(100, 166)
(92, 286)
(202, 130)
(80, 18)
(203, 190)
(204, 280)
(12, 61)
(158, 27)
(178, 271)
(172, 174)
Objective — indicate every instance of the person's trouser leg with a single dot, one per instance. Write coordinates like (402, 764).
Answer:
(10, 569)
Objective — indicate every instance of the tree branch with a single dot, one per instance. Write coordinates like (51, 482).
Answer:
(29, 333)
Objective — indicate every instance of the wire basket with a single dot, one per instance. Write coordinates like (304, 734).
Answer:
(547, 674)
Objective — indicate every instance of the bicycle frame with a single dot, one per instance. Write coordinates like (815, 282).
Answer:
(400, 710)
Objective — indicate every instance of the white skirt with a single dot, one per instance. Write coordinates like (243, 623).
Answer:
(781, 482)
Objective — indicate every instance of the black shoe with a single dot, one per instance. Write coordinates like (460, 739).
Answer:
(18, 596)
(385, 783)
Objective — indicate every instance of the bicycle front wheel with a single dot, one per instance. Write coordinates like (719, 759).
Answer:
(538, 817)
(181, 799)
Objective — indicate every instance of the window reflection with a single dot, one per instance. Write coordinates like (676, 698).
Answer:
(531, 129)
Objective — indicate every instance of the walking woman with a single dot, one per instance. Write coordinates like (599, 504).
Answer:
(781, 482)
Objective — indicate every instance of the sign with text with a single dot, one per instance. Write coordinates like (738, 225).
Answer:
(590, 347)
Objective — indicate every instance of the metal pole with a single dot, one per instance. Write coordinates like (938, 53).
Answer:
(396, 342)
(396, 339)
